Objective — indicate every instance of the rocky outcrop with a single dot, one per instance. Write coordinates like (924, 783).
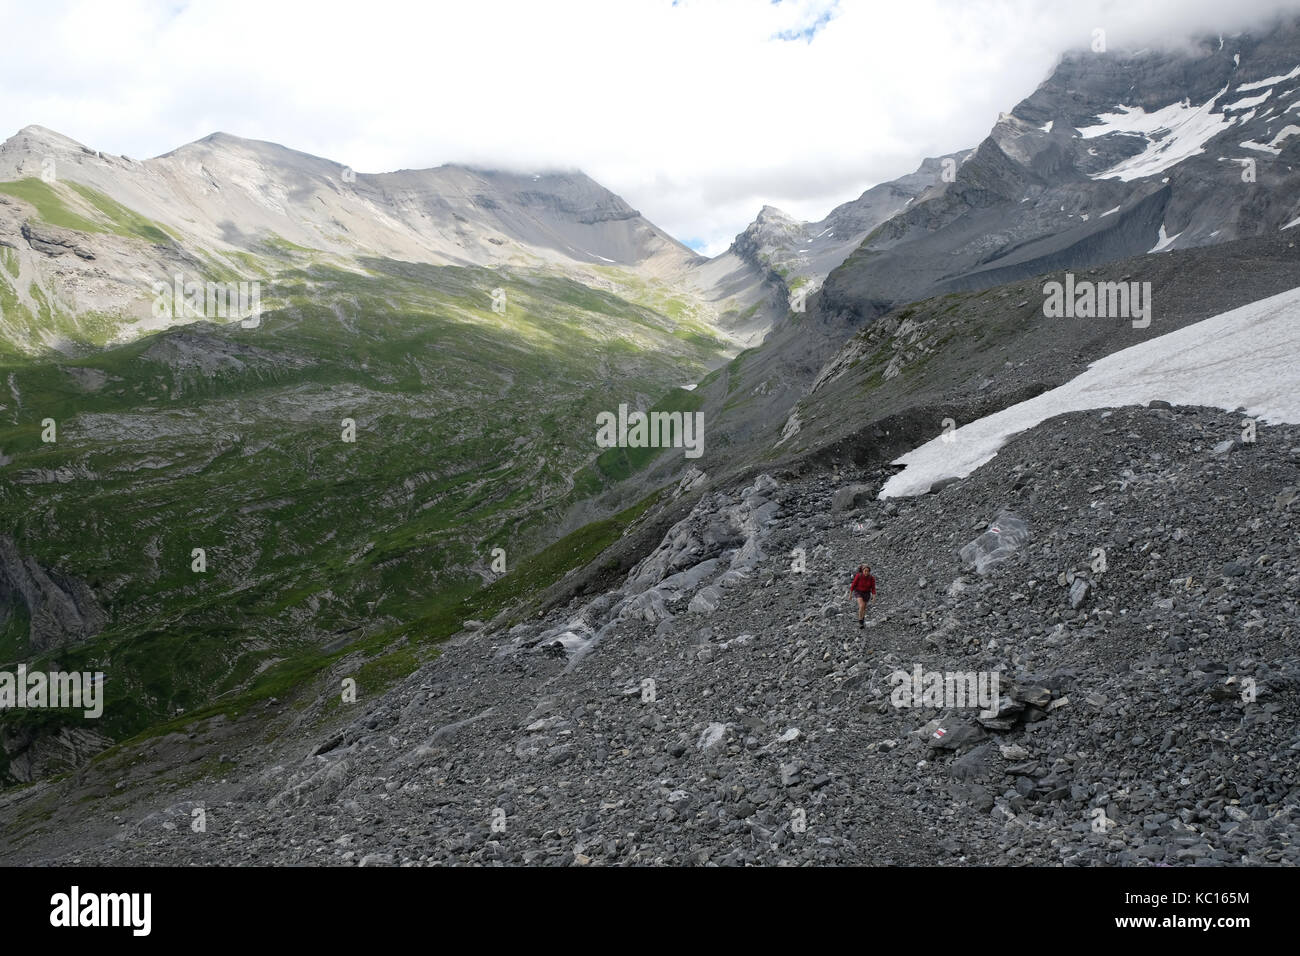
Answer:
(54, 242)
(62, 609)
(715, 547)
(798, 255)
(35, 753)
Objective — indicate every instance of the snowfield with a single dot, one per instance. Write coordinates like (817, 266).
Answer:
(1245, 358)
(1173, 134)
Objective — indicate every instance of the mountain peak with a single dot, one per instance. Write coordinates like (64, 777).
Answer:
(773, 214)
(220, 136)
(265, 148)
(34, 136)
(539, 173)
(38, 132)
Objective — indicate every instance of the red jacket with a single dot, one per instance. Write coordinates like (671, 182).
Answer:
(863, 583)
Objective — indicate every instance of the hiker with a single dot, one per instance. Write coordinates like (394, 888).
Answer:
(862, 588)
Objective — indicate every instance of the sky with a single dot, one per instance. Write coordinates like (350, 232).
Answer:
(697, 112)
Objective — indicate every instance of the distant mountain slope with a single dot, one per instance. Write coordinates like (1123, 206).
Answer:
(1116, 155)
(778, 261)
(228, 193)
(929, 367)
(86, 234)
(415, 388)
(801, 254)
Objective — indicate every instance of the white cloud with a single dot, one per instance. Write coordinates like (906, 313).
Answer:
(696, 112)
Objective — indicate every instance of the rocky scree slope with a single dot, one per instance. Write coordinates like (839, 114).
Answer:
(1122, 689)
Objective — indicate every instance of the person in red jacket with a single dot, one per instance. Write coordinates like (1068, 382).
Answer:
(862, 588)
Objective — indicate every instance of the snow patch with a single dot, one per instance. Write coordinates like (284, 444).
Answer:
(1286, 133)
(1248, 102)
(1244, 358)
(1260, 84)
(1174, 133)
(1165, 241)
(1109, 212)
(1262, 147)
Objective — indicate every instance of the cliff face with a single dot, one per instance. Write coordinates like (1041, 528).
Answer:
(1115, 157)
(1116, 154)
(61, 610)
(33, 753)
(796, 255)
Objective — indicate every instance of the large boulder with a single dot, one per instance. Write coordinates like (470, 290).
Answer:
(706, 602)
(851, 497)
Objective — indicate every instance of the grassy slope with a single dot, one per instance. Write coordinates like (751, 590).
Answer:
(474, 430)
(76, 206)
